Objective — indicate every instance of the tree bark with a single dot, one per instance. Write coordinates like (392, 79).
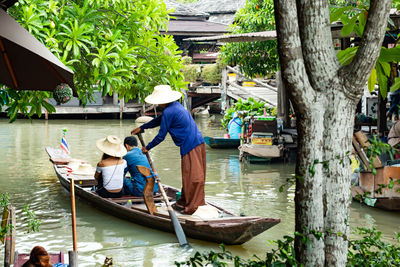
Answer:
(324, 96)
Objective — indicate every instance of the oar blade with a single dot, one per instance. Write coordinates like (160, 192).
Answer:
(178, 229)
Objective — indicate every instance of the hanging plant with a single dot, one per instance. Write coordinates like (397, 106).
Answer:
(62, 93)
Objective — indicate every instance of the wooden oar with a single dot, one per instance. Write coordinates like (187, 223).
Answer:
(177, 226)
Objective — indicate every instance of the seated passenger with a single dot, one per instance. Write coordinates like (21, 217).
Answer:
(135, 184)
(110, 170)
(38, 257)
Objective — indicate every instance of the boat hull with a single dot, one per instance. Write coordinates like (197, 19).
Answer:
(230, 229)
(220, 142)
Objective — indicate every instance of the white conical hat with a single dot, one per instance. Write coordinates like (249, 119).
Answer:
(111, 145)
(73, 164)
(84, 169)
(163, 94)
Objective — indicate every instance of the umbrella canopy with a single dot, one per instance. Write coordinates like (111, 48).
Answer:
(25, 63)
(4, 4)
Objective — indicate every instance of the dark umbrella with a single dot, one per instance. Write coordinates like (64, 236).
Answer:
(4, 4)
(25, 63)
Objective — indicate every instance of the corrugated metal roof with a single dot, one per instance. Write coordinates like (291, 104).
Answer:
(194, 27)
(184, 10)
(243, 37)
(218, 6)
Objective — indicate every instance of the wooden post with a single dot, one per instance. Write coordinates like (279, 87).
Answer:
(189, 104)
(73, 258)
(121, 107)
(73, 214)
(115, 99)
(9, 248)
(381, 115)
(185, 98)
(283, 100)
(224, 91)
(73, 255)
(46, 114)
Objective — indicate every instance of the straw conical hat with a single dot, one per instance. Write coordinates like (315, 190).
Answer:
(163, 94)
(73, 164)
(111, 145)
(84, 169)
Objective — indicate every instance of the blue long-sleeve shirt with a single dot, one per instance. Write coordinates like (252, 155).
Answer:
(133, 158)
(178, 122)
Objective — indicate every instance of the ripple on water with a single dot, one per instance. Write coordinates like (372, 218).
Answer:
(252, 189)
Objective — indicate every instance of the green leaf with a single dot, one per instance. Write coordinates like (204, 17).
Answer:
(389, 55)
(346, 56)
(372, 80)
(335, 15)
(382, 79)
(348, 28)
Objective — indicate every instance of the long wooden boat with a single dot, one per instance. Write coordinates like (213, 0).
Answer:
(221, 142)
(228, 228)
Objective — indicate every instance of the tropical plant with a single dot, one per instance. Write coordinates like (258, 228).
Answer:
(211, 74)
(62, 93)
(32, 222)
(250, 107)
(115, 45)
(253, 58)
(354, 16)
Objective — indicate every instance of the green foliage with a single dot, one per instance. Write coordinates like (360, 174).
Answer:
(62, 93)
(211, 74)
(4, 200)
(370, 250)
(354, 17)
(112, 44)
(32, 222)
(190, 72)
(253, 58)
(186, 60)
(377, 148)
(250, 107)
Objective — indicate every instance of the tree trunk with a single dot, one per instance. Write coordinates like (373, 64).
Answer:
(309, 186)
(337, 148)
(324, 95)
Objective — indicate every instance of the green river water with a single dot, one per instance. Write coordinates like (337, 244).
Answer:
(253, 189)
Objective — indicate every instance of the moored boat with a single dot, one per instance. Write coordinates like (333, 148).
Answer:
(228, 228)
(221, 142)
(381, 190)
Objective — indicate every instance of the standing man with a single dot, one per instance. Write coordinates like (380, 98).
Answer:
(178, 122)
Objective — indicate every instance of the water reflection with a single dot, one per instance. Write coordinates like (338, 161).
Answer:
(252, 189)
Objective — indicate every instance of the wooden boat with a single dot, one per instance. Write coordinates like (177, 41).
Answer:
(221, 142)
(384, 203)
(21, 258)
(228, 228)
(381, 190)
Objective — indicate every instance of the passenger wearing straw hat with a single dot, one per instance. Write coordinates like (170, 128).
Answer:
(110, 170)
(178, 122)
